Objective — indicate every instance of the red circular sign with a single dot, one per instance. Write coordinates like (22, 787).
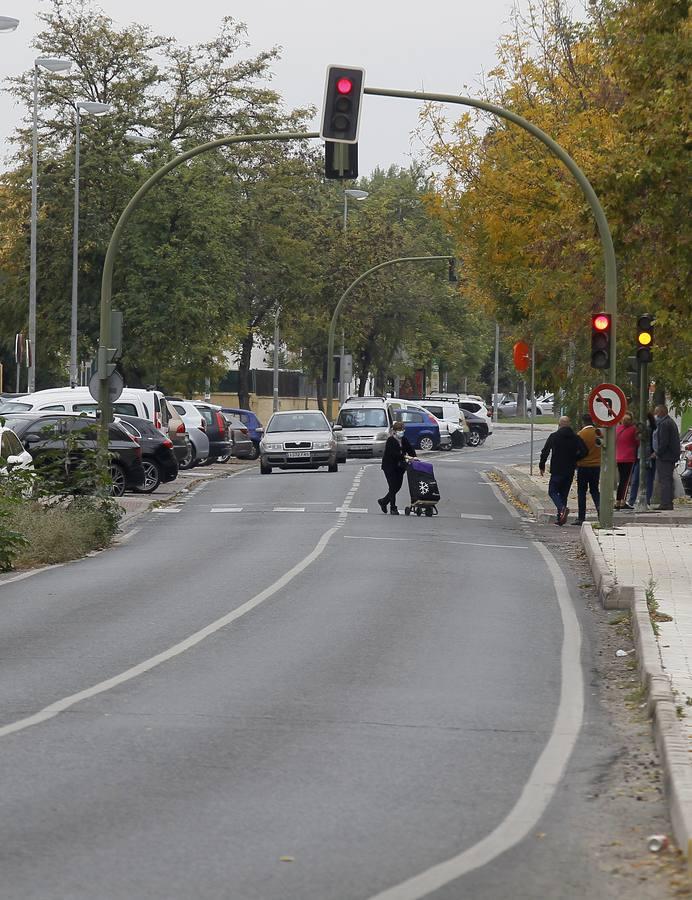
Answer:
(607, 404)
(520, 353)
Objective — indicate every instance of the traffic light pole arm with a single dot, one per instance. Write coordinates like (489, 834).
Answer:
(107, 277)
(608, 469)
(335, 315)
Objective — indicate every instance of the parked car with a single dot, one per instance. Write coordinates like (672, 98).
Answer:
(242, 443)
(145, 404)
(12, 453)
(364, 424)
(158, 455)
(420, 427)
(216, 430)
(507, 406)
(449, 416)
(685, 463)
(298, 439)
(46, 436)
(251, 422)
(196, 430)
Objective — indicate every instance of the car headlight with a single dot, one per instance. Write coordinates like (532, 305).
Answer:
(322, 445)
(382, 436)
(272, 446)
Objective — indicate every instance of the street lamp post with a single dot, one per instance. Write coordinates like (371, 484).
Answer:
(356, 195)
(275, 384)
(93, 109)
(50, 65)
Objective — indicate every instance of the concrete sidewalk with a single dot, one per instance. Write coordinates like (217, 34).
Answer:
(644, 564)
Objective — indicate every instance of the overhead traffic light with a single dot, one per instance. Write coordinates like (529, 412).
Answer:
(600, 341)
(343, 93)
(645, 338)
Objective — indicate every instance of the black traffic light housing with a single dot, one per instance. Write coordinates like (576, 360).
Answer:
(340, 160)
(343, 93)
(645, 338)
(600, 437)
(600, 340)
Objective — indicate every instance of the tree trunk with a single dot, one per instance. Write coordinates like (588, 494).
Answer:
(320, 394)
(244, 371)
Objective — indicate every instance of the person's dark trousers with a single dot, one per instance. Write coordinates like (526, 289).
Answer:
(587, 480)
(558, 490)
(394, 482)
(664, 470)
(634, 482)
(624, 473)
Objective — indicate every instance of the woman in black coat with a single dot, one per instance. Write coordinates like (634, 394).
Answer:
(396, 450)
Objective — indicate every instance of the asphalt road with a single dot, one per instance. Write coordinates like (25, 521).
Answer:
(271, 691)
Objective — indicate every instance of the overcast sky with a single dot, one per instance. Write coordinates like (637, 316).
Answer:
(439, 45)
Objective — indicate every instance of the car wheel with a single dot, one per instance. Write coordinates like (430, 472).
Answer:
(202, 461)
(224, 458)
(118, 480)
(473, 439)
(254, 453)
(446, 446)
(426, 443)
(152, 477)
(265, 469)
(334, 468)
(189, 460)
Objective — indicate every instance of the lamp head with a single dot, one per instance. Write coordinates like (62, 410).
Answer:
(53, 65)
(7, 23)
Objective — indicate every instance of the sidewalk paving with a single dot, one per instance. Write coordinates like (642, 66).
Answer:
(645, 554)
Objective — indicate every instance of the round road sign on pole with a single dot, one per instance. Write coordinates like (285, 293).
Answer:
(116, 385)
(607, 404)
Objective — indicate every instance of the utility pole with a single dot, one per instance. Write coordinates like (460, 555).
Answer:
(641, 504)
(497, 372)
(275, 386)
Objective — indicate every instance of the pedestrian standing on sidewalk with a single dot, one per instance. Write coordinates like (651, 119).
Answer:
(566, 448)
(396, 450)
(588, 470)
(649, 464)
(626, 447)
(666, 453)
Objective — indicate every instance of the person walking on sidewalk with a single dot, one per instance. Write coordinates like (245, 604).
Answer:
(566, 448)
(626, 447)
(396, 450)
(666, 453)
(649, 428)
(588, 470)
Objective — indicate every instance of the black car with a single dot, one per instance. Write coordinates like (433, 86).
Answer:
(46, 438)
(217, 430)
(158, 453)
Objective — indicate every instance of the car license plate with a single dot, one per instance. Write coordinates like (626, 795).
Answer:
(299, 454)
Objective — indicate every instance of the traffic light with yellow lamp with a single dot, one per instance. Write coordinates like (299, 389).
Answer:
(645, 338)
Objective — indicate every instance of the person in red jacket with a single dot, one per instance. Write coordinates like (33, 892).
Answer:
(626, 447)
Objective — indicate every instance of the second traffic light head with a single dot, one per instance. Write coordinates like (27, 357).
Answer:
(645, 337)
(343, 93)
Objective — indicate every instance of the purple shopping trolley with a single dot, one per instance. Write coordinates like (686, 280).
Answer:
(425, 494)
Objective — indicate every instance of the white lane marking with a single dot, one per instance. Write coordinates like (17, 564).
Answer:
(418, 540)
(167, 509)
(545, 776)
(352, 509)
(501, 497)
(289, 509)
(54, 709)
(225, 509)
(124, 538)
(473, 516)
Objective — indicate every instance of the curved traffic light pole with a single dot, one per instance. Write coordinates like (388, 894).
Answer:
(107, 277)
(335, 315)
(608, 466)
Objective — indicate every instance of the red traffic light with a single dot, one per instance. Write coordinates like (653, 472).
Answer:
(344, 85)
(601, 322)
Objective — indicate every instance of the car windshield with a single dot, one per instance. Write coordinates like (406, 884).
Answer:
(298, 422)
(362, 418)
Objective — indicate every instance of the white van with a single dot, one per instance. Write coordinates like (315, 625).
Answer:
(149, 405)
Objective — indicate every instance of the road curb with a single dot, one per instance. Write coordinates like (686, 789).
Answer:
(523, 495)
(670, 742)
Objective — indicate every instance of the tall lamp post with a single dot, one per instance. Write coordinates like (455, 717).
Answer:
(355, 194)
(49, 65)
(91, 108)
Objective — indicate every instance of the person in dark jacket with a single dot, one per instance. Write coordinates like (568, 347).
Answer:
(396, 450)
(567, 448)
(666, 453)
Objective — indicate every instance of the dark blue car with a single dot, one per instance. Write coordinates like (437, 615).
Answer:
(251, 422)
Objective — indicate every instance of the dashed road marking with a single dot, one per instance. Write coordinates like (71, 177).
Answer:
(226, 509)
(473, 516)
(167, 509)
(289, 509)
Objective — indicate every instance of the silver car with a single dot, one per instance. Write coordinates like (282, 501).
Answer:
(298, 439)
